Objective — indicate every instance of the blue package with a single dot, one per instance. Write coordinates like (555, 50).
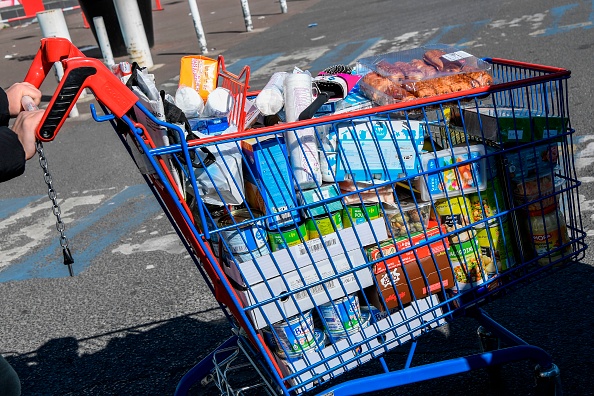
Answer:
(209, 126)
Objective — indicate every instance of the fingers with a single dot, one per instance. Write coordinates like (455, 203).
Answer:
(25, 125)
(16, 92)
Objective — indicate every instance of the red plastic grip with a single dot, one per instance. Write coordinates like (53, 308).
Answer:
(79, 72)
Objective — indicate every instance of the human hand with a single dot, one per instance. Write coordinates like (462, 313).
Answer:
(25, 125)
(15, 94)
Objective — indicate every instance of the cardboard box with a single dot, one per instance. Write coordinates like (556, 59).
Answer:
(324, 193)
(388, 247)
(410, 280)
(379, 149)
(315, 295)
(250, 273)
(268, 182)
(507, 125)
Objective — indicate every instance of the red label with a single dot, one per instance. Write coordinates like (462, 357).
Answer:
(409, 257)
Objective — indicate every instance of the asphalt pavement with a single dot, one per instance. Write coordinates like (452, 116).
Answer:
(137, 315)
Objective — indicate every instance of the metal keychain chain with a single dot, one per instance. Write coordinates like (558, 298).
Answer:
(53, 196)
(29, 105)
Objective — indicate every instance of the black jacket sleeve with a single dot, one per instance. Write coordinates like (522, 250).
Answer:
(4, 112)
(12, 154)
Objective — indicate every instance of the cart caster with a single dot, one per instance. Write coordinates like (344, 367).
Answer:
(548, 382)
(488, 343)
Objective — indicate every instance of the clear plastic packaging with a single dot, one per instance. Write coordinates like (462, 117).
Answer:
(421, 73)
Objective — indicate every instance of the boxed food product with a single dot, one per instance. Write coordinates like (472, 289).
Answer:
(314, 195)
(378, 149)
(417, 280)
(268, 183)
(392, 246)
(512, 125)
(466, 178)
(420, 73)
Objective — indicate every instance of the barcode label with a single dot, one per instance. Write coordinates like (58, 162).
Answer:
(316, 246)
(454, 56)
(314, 290)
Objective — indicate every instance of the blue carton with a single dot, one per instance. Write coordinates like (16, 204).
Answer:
(209, 126)
(378, 149)
(268, 181)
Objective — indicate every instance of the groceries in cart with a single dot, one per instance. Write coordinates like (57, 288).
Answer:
(337, 214)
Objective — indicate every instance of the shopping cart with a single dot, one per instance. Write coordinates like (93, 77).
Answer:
(422, 212)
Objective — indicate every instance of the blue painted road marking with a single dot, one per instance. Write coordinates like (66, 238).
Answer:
(9, 206)
(255, 63)
(48, 262)
(343, 54)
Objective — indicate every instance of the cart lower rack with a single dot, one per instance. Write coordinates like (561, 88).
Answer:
(331, 241)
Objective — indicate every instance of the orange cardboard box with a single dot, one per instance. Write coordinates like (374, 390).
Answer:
(388, 247)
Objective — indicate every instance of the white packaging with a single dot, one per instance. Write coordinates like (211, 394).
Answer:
(301, 143)
(189, 101)
(218, 104)
(270, 100)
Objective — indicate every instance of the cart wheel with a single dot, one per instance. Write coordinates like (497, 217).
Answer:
(548, 382)
(489, 343)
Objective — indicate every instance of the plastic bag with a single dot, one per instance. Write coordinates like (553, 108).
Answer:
(221, 181)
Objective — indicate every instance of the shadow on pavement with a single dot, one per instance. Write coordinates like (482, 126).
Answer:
(134, 361)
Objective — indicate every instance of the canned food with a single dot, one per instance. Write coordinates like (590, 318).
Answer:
(358, 214)
(467, 263)
(287, 237)
(490, 202)
(245, 238)
(367, 317)
(320, 338)
(322, 225)
(499, 255)
(342, 316)
(454, 213)
(296, 335)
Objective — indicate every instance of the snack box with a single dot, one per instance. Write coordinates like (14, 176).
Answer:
(268, 182)
(378, 149)
(420, 73)
(414, 280)
(325, 193)
(392, 246)
(512, 125)
(454, 181)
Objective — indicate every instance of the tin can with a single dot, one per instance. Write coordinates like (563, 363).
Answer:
(498, 256)
(342, 316)
(490, 202)
(358, 214)
(467, 263)
(454, 213)
(324, 225)
(246, 238)
(296, 335)
(287, 237)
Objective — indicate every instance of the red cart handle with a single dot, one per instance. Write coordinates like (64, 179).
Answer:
(79, 72)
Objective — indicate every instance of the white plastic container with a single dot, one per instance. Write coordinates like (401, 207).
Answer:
(452, 182)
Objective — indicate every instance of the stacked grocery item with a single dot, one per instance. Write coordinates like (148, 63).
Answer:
(331, 226)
